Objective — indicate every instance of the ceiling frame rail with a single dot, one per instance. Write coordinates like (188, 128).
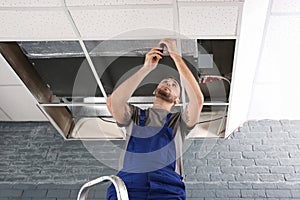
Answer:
(86, 53)
(178, 41)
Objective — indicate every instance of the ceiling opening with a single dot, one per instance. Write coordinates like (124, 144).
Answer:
(64, 68)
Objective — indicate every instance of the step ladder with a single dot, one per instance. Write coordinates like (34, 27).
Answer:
(117, 182)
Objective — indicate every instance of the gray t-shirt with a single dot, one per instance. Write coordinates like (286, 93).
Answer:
(156, 117)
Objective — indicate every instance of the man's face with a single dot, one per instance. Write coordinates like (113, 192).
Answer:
(169, 90)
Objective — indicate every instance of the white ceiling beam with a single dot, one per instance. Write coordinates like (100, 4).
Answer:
(86, 53)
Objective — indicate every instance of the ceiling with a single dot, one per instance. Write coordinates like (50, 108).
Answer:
(83, 49)
(64, 67)
(257, 72)
(102, 20)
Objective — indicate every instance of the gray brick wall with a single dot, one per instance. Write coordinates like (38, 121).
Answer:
(259, 161)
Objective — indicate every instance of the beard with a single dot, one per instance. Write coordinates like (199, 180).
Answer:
(164, 94)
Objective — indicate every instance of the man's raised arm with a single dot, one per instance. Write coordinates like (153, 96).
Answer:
(117, 101)
(192, 112)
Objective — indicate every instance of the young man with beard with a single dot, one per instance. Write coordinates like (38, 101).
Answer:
(151, 165)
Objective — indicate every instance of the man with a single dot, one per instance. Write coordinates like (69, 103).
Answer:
(151, 166)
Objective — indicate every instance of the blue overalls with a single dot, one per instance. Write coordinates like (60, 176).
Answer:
(149, 164)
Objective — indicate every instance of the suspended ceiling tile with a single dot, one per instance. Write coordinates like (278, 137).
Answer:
(208, 20)
(281, 51)
(287, 6)
(34, 25)
(114, 2)
(7, 76)
(30, 3)
(123, 23)
(19, 104)
(3, 116)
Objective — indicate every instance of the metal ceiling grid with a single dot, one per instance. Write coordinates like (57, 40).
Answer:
(168, 9)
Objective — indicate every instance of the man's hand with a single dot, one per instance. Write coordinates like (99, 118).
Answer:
(171, 46)
(152, 58)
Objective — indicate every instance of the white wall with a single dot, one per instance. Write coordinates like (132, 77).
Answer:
(276, 91)
(246, 59)
(267, 69)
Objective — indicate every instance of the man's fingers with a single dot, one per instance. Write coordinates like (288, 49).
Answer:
(158, 56)
(156, 50)
(155, 56)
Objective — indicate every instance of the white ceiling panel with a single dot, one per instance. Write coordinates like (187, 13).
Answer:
(3, 116)
(281, 51)
(7, 76)
(30, 3)
(108, 23)
(114, 2)
(34, 25)
(286, 6)
(208, 20)
(19, 104)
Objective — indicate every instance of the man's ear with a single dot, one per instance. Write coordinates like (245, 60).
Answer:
(154, 92)
(177, 101)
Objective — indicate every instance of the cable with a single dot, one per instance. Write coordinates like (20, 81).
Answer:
(201, 122)
(211, 78)
(105, 120)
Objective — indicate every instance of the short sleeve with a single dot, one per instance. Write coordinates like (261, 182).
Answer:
(134, 110)
(185, 129)
(177, 121)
